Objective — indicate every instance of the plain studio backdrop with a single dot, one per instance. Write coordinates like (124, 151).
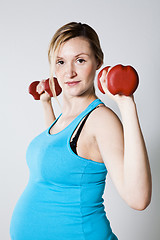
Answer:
(129, 34)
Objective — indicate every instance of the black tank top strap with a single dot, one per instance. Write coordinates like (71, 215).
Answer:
(73, 142)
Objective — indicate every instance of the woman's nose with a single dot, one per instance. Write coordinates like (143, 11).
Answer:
(70, 71)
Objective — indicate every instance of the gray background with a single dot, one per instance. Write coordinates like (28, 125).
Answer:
(129, 34)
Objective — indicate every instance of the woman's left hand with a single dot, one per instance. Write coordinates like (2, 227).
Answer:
(119, 99)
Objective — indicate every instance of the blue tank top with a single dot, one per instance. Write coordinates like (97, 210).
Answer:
(63, 198)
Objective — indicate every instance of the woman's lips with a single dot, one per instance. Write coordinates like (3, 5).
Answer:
(72, 83)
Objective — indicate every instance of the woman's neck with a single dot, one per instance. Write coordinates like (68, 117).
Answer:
(75, 105)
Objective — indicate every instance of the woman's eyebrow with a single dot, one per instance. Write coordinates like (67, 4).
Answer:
(82, 54)
(77, 55)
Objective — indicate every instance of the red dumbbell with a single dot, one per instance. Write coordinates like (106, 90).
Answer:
(121, 79)
(36, 95)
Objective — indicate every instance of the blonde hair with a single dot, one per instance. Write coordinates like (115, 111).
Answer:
(66, 32)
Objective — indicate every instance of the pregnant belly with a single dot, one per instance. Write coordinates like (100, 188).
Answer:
(47, 213)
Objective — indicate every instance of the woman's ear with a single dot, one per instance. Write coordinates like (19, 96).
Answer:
(99, 65)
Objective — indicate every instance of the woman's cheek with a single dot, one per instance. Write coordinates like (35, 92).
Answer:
(90, 72)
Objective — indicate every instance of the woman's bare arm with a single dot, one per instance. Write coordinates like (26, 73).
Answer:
(49, 116)
(48, 111)
(137, 173)
(123, 151)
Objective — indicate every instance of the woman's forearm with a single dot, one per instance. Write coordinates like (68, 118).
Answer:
(48, 113)
(137, 174)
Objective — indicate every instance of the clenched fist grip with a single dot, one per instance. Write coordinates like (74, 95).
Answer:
(36, 95)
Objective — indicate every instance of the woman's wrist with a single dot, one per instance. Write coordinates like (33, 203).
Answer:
(46, 102)
(127, 107)
(125, 102)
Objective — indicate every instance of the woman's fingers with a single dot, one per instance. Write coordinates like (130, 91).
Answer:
(40, 87)
(103, 80)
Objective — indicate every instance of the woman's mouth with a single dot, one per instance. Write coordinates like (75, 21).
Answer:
(72, 83)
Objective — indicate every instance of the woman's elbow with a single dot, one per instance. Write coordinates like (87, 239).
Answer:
(140, 204)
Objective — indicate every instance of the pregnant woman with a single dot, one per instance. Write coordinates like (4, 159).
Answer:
(69, 161)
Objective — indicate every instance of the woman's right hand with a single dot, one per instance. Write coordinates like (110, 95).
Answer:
(44, 96)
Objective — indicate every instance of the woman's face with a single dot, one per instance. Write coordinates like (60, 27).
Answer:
(75, 66)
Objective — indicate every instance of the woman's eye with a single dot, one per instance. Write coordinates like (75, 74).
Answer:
(81, 60)
(60, 62)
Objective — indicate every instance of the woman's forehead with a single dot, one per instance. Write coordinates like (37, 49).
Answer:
(74, 46)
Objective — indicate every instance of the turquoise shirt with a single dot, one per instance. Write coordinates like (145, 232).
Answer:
(63, 197)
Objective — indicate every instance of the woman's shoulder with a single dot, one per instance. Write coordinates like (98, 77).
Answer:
(103, 118)
(103, 113)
